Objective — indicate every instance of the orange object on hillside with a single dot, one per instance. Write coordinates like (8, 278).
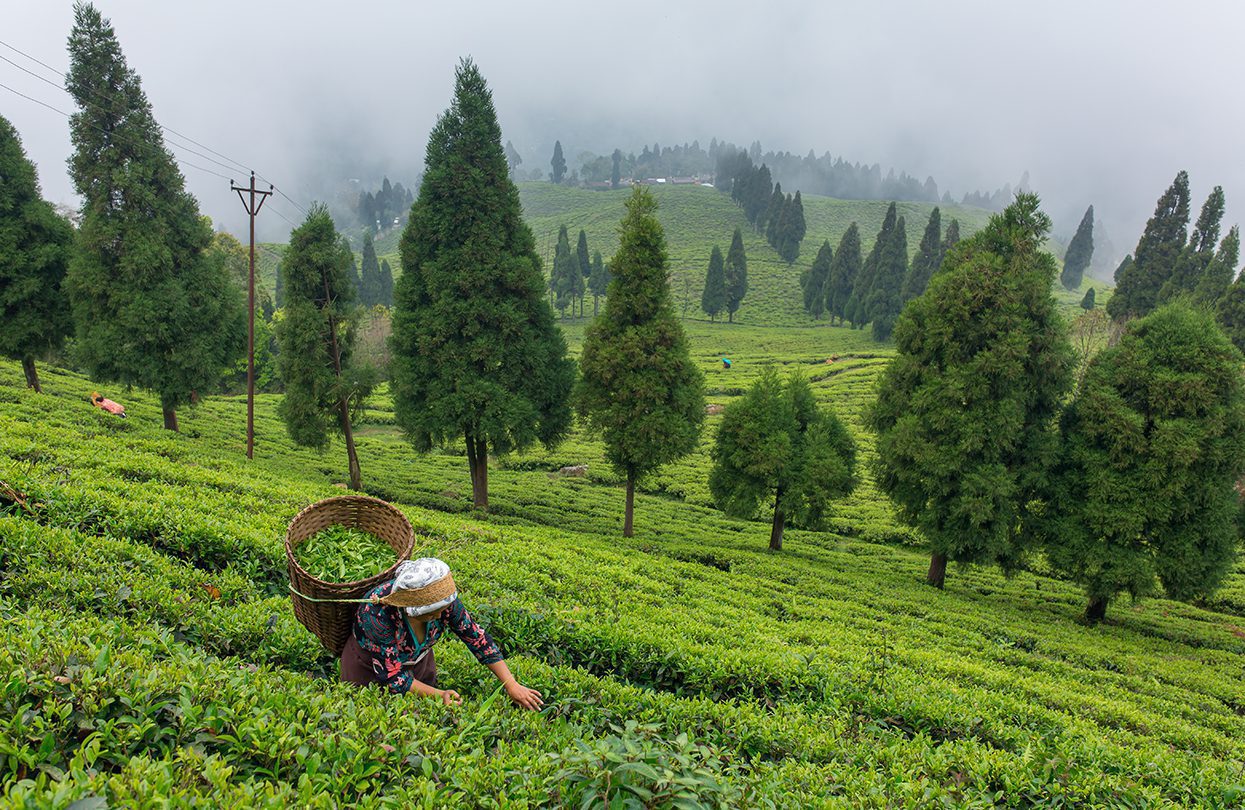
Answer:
(107, 404)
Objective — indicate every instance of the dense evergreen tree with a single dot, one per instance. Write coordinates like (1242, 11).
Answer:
(565, 273)
(844, 268)
(152, 307)
(1153, 445)
(1157, 254)
(1218, 275)
(616, 169)
(965, 414)
(316, 339)
(949, 241)
(386, 284)
(1198, 253)
(1087, 303)
(513, 159)
(857, 308)
(1080, 252)
(639, 387)
(776, 444)
(886, 296)
(768, 221)
(927, 260)
(713, 299)
(1230, 312)
(792, 229)
(756, 193)
(736, 275)
(370, 292)
(35, 244)
(599, 281)
(558, 163)
(475, 349)
(584, 261)
(813, 281)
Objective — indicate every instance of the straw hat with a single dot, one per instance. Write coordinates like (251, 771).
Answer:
(423, 587)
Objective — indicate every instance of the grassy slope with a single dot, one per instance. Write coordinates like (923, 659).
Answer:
(828, 673)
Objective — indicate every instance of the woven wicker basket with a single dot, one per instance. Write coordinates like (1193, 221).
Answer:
(331, 621)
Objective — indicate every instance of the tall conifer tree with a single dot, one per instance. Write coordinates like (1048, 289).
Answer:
(927, 260)
(1218, 275)
(965, 412)
(475, 350)
(885, 299)
(844, 269)
(316, 339)
(584, 261)
(736, 275)
(153, 308)
(599, 281)
(639, 387)
(813, 281)
(35, 245)
(369, 274)
(1158, 251)
(1154, 444)
(1198, 253)
(557, 163)
(565, 271)
(768, 222)
(1080, 252)
(713, 299)
(858, 303)
(386, 284)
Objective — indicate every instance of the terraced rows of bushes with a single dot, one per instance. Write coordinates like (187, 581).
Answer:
(149, 650)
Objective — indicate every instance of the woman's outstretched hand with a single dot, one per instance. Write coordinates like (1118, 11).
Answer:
(450, 698)
(527, 698)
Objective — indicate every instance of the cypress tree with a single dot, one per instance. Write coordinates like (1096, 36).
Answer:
(1198, 253)
(599, 281)
(768, 221)
(793, 229)
(564, 273)
(927, 260)
(736, 275)
(513, 159)
(369, 275)
(639, 387)
(35, 244)
(584, 261)
(1220, 271)
(1153, 445)
(760, 190)
(1156, 256)
(386, 284)
(152, 307)
(558, 163)
(844, 269)
(1080, 252)
(775, 443)
(949, 241)
(1230, 312)
(1087, 303)
(813, 281)
(965, 412)
(616, 172)
(316, 338)
(475, 350)
(858, 304)
(713, 299)
(885, 299)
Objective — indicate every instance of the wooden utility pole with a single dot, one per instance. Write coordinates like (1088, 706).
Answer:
(252, 208)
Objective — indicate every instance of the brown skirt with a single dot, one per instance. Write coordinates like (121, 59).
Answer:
(356, 666)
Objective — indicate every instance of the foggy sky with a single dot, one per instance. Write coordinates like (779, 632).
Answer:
(1102, 102)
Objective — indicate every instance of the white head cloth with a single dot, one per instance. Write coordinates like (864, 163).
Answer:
(413, 574)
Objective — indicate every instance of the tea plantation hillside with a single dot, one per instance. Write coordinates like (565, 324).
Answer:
(150, 654)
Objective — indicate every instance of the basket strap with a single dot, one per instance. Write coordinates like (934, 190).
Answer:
(372, 600)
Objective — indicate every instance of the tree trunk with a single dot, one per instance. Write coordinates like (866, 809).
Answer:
(1096, 611)
(32, 374)
(356, 475)
(477, 458)
(170, 419)
(595, 302)
(730, 317)
(937, 569)
(630, 510)
(775, 534)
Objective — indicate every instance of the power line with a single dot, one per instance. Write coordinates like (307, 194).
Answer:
(169, 130)
(180, 161)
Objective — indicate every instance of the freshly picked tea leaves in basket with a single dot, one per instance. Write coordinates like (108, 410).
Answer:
(339, 554)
